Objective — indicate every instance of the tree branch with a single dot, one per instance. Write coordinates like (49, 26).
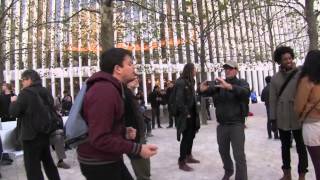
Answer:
(287, 5)
(144, 7)
(4, 13)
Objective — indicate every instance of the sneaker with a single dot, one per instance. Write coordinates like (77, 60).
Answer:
(63, 165)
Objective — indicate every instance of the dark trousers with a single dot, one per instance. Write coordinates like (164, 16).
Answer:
(186, 143)
(36, 151)
(233, 134)
(314, 152)
(285, 137)
(156, 114)
(141, 168)
(113, 171)
(269, 125)
(171, 120)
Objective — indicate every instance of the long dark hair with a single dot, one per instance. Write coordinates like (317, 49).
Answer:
(187, 72)
(311, 66)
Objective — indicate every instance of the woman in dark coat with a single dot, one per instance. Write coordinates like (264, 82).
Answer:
(188, 122)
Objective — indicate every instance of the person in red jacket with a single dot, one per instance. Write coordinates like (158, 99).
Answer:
(101, 157)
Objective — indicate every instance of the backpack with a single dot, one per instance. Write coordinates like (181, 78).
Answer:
(76, 127)
(244, 105)
(46, 120)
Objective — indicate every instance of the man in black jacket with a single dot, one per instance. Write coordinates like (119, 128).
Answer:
(155, 99)
(168, 93)
(230, 97)
(265, 99)
(36, 146)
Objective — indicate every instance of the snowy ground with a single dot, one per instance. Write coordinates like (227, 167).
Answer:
(263, 155)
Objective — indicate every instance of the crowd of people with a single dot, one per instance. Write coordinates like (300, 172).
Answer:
(118, 122)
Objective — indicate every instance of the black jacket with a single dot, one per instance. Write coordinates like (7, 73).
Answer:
(155, 99)
(186, 106)
(25, 109)
(231, 104)
(5, 100)
(265, 95)
(133, 117)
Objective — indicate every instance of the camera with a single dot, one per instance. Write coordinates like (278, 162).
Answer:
(213, 83)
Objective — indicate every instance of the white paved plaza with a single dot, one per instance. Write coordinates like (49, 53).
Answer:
(263, 155)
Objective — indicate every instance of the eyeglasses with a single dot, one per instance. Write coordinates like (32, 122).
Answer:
(228, 68)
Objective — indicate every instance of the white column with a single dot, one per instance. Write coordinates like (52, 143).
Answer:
(208, 76)
(16, 42)
(249, 78)
(255, 80)
(260, 80)
(70, 69)
(60, 40)
(152, 76)
(43, 54)
(98, 37)
(242, 74)
(167, 43)
(34, 35)
(144, 76)
(80, 47)
(53, 48)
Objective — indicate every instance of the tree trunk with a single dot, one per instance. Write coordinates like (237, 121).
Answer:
(39, 34)
(209, 32)
(30, 44)
(47, 41)
(186, 32)
(107, 36)
(246, 34)
(312, 23)
(202, 41)
(242, 41)
(234, 24)
(215, 30)
(178, 30)
(170, 27)
(271, 38)
(195, 39)
(2, 43)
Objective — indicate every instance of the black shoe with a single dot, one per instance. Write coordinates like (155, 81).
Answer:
(6, 162)
(227, 175)
(169, 127)
(159, 126)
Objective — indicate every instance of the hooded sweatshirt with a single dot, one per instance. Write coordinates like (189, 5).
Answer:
(103, 109)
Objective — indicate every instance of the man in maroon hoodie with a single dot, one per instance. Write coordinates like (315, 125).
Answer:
(103, 108)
